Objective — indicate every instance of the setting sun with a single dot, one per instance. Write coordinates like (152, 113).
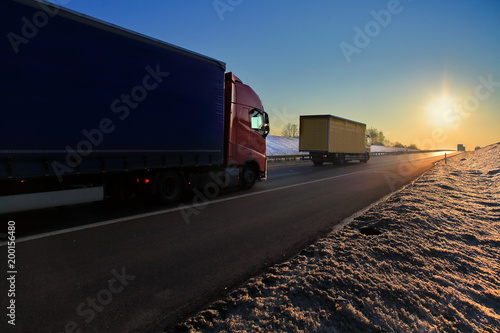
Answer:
(440, 112)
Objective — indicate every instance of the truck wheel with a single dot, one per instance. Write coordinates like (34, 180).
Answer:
(248, 177)
(169, 188)
(340, 160)
(364, 160)
(318, 163)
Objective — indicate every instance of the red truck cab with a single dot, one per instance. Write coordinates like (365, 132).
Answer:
(246, 129)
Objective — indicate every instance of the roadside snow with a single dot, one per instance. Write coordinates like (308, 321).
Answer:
(383, 149)
(435, 266)
(280, 145)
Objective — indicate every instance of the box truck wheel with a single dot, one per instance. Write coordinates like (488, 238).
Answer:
(318, 163)
(340, 159)
(248, 177)
(169, 187)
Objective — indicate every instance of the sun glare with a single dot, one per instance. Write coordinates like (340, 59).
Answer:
(440, 111)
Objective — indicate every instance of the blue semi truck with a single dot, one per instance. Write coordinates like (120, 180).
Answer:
(91, 110)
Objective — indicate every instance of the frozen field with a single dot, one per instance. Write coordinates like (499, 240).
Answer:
(280, 145)
(426, 259)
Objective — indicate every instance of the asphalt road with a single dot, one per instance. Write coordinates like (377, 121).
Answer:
(135, 267)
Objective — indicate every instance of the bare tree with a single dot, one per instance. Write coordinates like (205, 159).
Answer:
(381, 138)
(295, 131)
(377, 137)
(290, 130)
(373, 134)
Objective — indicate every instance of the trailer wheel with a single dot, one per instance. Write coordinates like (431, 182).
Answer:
(340, 159)
(248, 177)
(364, 160)
(318, 163)
(169, 188)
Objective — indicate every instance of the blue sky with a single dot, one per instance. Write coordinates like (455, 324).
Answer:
(412, 80)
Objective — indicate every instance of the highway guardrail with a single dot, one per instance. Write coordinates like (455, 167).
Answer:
(286, 158)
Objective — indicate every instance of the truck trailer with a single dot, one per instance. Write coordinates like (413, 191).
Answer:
(333, 139)
(92, 110)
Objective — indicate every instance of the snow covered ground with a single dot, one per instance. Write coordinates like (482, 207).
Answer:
(280, 145)
(426, 259)
(383, 149)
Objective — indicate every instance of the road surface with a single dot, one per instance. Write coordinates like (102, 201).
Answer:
(133, 267)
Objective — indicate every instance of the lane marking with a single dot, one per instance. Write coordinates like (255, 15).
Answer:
(180, 207)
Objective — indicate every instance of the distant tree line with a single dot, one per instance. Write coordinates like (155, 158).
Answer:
(378, 139)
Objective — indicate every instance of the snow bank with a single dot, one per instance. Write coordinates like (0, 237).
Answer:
(426, 259)
(280, 145)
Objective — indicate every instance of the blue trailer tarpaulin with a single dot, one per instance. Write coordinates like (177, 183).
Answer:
(74, 87)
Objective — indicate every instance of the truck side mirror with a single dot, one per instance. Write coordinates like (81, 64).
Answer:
(266, 131)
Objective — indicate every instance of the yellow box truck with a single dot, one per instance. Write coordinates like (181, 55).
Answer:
(333, 139)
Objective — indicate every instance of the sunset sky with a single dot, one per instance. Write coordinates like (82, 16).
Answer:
(424, 72)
